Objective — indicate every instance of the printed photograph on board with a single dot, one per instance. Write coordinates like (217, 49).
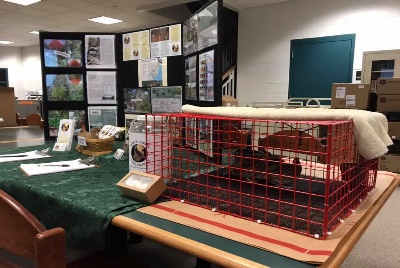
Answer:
(137, 100)
(62, 53)
(64, 87)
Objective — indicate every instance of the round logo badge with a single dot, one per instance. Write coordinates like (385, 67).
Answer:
(138, 153)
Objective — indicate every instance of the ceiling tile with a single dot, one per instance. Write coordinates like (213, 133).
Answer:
(18, 16)
(98, 9)
(47, 22)
(123, 4)
(80, 14)
(75, 4)
(2, 11)
(97, 1)
(4, 25)
(53, 8)
(82, 26)
(57, 29)
(9, 6)
(33, 12)
(74, 28)
(13, 30)
(127, 17)
(33, 26)
(10, 21)
(62, 18)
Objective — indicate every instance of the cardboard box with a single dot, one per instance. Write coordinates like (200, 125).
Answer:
(350, 96)
(388, 103)
(388, 86)
(389, 162)
(142, 186)
(394, 130)
(8, 111)
(229, 101)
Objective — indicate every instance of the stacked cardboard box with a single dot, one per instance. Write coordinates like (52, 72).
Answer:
(350, 96)
(388, 103)
(388, 91)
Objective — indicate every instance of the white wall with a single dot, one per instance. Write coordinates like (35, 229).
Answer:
(265, 34)
(24, 68)
(10, 57)
(31, 69)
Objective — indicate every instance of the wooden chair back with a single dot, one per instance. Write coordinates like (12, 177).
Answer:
(23, 235)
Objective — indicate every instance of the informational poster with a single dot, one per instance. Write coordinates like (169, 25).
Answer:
(152, 72)
(206, 76)
(207, 31)
(100, 51)
(166, 99)
(190, 78)
(190, 35)
(166, 41)
(101, 87)
(137, 100)
(100, 116)
(64, 87)
(136, 45)
(62, 53)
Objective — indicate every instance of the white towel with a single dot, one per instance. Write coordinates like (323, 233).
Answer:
(370, 128)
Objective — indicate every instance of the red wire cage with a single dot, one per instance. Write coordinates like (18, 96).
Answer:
(302, 176)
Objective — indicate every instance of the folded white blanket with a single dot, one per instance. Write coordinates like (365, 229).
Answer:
(370, 128)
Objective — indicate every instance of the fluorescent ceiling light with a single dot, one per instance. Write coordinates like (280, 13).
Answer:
(23, 2)
(6, 42)
(34, 32)
(105, 20)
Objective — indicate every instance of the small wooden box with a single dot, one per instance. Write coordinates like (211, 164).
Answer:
(96, 147)
(142, 186)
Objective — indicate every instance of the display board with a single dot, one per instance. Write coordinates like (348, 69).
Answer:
(84, 71)
(70, 86)
(202, 48)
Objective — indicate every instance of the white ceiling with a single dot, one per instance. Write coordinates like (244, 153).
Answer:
(17, 21)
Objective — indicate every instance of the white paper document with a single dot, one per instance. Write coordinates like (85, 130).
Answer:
(101, 87)
(53, 167)
(22, 156)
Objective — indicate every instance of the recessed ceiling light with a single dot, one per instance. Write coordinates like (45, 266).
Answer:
(23, 2)
(6, 42)
(105, 20)
(34, 32)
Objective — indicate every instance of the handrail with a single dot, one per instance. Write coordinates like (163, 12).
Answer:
(228, 72)
(309, 100)
(291, 103)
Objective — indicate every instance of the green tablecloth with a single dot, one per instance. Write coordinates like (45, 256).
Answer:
(82, 202)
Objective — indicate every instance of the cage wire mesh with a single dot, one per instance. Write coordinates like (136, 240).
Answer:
(302, 176)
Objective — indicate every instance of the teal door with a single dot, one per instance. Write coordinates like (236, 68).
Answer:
(316, 63)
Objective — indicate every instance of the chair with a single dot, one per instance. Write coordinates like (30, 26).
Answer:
(23, 235)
